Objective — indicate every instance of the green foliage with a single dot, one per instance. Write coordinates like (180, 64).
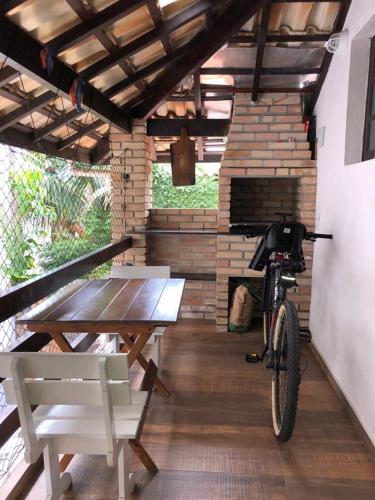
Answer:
(203, 195)
(56, 217)
(20, 263)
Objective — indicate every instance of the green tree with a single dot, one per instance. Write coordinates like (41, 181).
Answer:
(164, 195)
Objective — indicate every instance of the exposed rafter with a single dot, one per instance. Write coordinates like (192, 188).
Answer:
(148, 38)
(144, 72)
(54, 125)
(156, 15)
(261, 45)
(250, 38)
(23, 55)
(165, 127)
(7, 74)
(103, 37)
(92, 26)
(201, 48)
(81, 132)
(265, 71)
(197, 95)
(23, 140)
(18, 114)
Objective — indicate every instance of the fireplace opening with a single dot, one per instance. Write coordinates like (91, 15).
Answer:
(256, 199)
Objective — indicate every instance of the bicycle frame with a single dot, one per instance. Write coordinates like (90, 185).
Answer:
(274, 293)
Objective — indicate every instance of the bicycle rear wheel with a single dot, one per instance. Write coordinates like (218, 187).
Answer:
(286, 375)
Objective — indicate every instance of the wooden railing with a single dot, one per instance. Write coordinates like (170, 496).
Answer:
(17, 298)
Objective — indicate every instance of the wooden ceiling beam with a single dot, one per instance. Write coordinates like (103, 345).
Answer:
(103, 38)
(250, 38)
(57, 120)
(337, 27)
(54, 125)
(25, 140)
(23, 55)
(8, 120)
(7, 74)
(157, 17)
(95, 24)
(225, 89)
(101, 152)
(197, 95)
(265, 71)
(207, 158)
(201, 48)
(166, 127)
(147, 39)
(144, 72)
(261, 45)
(84, 130)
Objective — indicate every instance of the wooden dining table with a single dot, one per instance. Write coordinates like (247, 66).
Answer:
(130, 308)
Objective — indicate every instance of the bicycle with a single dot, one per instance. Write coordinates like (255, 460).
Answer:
(280, 253)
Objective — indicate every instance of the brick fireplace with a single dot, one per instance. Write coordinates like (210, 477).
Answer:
(266, 168)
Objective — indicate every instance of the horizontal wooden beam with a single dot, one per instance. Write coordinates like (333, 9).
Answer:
(90, 27)
(165, 127)
(198, 51)
(148, 38)
(225, 89)
(54, 125)
(250, 38)
(23, 55)
(208, 158)
(265, 71)
(22, 139)
(19, 297)
(84, 130)
(18, 114)
(144, 72)
(7, 74)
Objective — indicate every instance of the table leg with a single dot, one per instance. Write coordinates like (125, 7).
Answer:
(61, 341)
(134, 352)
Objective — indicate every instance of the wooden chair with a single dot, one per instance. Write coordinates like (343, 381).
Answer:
(85, 407)
(145, 272)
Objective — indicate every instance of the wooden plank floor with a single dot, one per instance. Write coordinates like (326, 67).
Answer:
(213, 440)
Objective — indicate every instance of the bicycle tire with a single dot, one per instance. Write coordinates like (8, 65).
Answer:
(267, 314)
(287, 359)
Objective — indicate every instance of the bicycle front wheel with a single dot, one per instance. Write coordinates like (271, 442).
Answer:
(286, 375)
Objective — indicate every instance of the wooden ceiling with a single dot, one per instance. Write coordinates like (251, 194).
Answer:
(152, 59)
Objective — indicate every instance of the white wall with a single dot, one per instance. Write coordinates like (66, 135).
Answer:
(343, 288)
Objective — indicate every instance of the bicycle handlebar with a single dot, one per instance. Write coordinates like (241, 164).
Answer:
(314, 236)
(254, 230)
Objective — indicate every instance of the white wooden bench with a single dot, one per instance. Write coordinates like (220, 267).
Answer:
(145, 272)
(85, 406)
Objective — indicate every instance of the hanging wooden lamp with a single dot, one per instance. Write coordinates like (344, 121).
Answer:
(183, 161)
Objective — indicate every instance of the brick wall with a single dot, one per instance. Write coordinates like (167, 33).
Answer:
(257, 199)
(131, 189)
(266, 141)
(191, 253)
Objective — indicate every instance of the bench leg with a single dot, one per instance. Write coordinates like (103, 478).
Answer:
(56, 484)
(143, 456)
(125, 478)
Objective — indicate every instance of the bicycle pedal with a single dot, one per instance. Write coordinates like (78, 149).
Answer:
(252, 358)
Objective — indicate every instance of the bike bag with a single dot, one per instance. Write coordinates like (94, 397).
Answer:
(280, 237)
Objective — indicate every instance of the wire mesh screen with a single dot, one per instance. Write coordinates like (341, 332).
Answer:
(52, 211)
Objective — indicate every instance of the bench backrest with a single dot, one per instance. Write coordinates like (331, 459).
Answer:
(141, 272)
(64, 379)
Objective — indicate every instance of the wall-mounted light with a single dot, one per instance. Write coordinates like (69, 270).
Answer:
(338, 43)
